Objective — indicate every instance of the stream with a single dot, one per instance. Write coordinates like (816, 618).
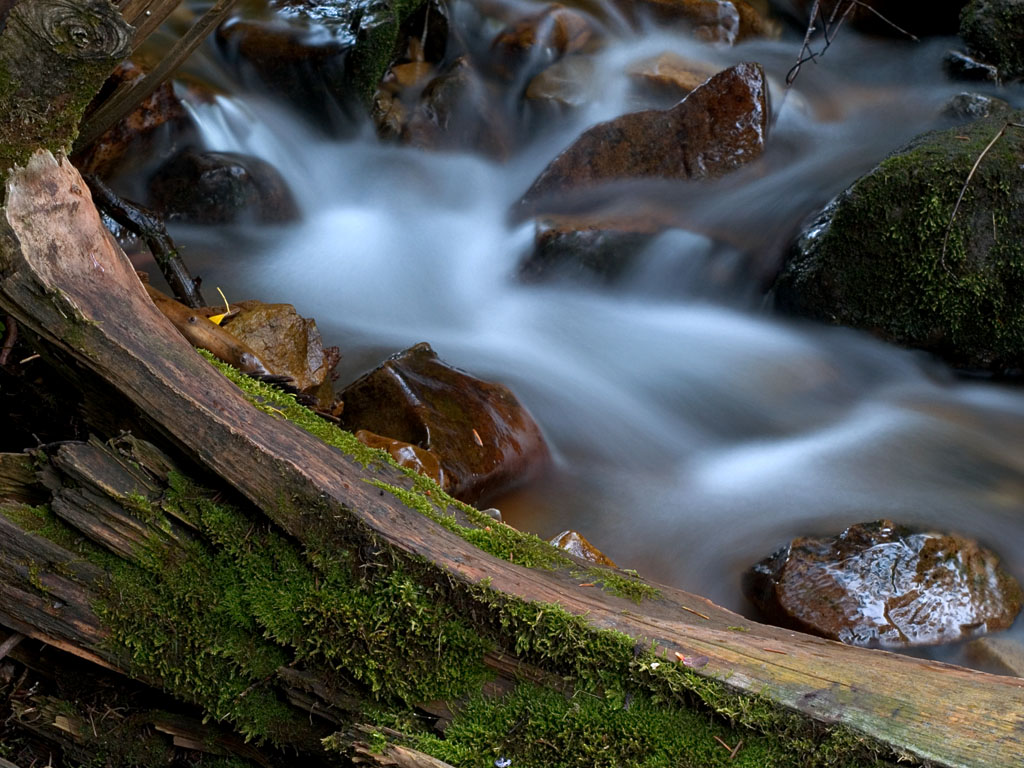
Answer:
(694, 431)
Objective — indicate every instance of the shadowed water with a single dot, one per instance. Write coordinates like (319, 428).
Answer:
(694, 432)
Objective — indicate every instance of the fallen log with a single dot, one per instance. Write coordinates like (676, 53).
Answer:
(352, 512)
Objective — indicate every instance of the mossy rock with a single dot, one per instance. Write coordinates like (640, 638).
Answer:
(885, 257)
(994, 32)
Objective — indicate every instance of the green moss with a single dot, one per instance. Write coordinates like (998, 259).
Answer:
(883, 261)
(994, 31)
(429, 499)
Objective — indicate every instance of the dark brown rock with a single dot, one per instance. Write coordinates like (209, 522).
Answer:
(574, 543)
(879, 584)
(219, 188)
(157, 128)
(485, 440)
(720, 126)
(290, 345)
(458, 111)
(406, 455)
(539, 40)
(719, 21)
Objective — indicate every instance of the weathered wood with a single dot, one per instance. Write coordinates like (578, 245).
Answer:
(64, 280)
(54, 56)
(18, 479)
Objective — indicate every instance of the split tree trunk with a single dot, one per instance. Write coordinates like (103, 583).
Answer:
(69, 285)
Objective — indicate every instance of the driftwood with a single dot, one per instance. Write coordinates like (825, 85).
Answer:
(68, 285)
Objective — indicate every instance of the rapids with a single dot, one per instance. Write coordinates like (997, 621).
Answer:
(694, 430)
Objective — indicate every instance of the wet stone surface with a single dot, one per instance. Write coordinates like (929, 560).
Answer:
(576, 545)
(485, 440)
(880, 584)
(719, 127)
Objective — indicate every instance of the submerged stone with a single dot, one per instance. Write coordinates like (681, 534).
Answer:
(484, 439)
(219, 188)
(534, 42)
(881, 584)
(576, 545)
(888, 256)
(720, 126)
(718, 21)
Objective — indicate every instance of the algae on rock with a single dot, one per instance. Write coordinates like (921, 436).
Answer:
(878, 257)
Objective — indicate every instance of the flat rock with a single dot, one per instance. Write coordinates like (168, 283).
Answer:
(720, 126)
(880, 584)
(1004, 654)
(484, 439)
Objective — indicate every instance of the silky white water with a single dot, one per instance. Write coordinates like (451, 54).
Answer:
(694, 431)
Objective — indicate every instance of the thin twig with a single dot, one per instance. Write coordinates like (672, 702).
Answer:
(892, 24)
(963, 189)
(148, 226)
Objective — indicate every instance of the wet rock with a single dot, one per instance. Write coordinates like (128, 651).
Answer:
(994, 32)
(671, 75)
(458, 111)
(289, 344)
(1003, 654)
(156, 129)
(720, 126)
(963, 67)
(874, 258)
(879, 584)
(974, 106)
(484, 439)
(325, 57)
(598, 249)
(407, 455)
(577, 546)
(538, 40)
(717, 21)
(219, 188)
(569, 82)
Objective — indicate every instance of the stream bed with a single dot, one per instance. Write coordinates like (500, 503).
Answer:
(694, 431)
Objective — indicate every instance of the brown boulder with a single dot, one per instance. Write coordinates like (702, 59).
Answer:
(716, 21)
(539, 40)
(720, 126)
(484, 439)
(289, 345)
(879, 584)
(577, 546)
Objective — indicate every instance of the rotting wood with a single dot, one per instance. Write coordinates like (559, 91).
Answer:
(89, 304)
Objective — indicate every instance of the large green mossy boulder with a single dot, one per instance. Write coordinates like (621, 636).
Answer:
(874, 258)
(994, 32)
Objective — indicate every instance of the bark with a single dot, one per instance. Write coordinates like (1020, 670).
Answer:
(54, 56)
(67, 284)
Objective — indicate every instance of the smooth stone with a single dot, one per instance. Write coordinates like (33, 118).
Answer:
(966, 107)
(576, 545)
(880, 584)
(713, 21)
(289, 344)
(1005, 654)
(484, 439)
(539, 40)
(719, 127)
(406, 455)
(671, 74)
(220, 188)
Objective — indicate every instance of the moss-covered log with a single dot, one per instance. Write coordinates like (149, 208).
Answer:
(54, 56)
(382, 588)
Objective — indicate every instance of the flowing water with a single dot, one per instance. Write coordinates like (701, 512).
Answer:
(694, 430)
